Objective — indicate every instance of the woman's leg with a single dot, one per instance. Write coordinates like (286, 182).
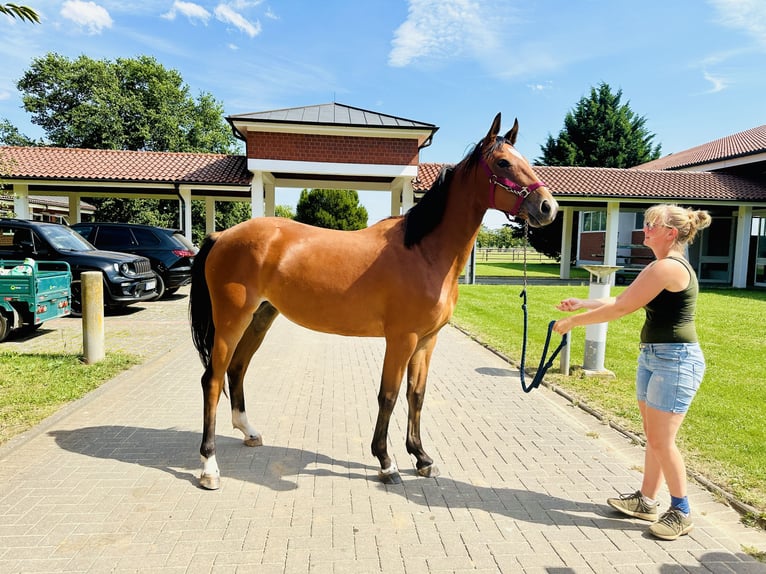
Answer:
(663, 459)
(653, 476)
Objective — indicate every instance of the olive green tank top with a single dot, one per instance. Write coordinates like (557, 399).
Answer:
(670, 316)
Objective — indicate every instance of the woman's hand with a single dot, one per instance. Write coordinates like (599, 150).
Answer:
(563, 326)
(571, 304)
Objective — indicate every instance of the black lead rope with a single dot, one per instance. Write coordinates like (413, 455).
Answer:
(543, 366)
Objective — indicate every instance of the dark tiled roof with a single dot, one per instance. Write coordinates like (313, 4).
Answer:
(50, 163)
(742, 144)
(599, 182)
(332, 114)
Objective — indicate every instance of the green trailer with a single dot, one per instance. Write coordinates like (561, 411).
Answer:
(30, 296)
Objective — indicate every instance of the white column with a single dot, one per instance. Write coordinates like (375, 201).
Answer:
(21, 201)
(565, 266)
(256, 195)
(610, 237)
(75, 216)
(408, 196)
(209, 215)
(742, 246)
(185, 197)
(270, 199)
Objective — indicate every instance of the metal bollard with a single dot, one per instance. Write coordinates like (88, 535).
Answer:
(92, 316)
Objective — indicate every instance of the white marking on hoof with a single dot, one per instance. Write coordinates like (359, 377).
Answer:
(210, 478)
(240, 422)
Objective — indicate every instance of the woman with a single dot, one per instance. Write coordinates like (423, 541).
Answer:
(670, 362)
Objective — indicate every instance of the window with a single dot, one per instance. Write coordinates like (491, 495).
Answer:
(594, 221)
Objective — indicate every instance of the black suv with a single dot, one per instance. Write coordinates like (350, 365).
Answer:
(127, 278)
(170, 253)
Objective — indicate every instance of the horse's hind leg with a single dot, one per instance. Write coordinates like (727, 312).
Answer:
(249, 343)
(417, 374)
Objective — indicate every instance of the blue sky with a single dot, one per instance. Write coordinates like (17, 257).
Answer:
(696, 69)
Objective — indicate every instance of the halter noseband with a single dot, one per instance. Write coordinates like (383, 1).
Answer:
(520, 192)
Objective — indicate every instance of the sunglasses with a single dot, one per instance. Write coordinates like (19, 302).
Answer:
(650, 226)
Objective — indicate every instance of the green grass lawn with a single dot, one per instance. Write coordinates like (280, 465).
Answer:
(34, 386)
(724, 434)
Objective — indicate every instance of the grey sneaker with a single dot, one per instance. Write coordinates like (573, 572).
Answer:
(634, 505)
(672, 524)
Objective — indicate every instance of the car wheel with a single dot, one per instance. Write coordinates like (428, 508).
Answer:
(160, 287)
(5, 327)
(75, 304)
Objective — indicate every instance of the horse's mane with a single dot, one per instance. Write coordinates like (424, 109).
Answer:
(426, 215)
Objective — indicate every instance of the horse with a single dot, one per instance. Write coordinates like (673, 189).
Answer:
(396, 279)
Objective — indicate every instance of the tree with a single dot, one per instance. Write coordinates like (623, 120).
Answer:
(331, 208)
(20, 12)
(126, 104)
(284, 211)
(599, 132)
(10, 135)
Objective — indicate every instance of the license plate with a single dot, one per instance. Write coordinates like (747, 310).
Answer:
(150, 285)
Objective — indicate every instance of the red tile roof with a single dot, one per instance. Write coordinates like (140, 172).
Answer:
(742, 144)
(598, 182)
(50, 163)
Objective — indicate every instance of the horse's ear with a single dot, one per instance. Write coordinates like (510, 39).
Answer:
(513, 132)
(494, 130)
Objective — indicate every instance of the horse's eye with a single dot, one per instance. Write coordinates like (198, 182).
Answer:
(504, 163)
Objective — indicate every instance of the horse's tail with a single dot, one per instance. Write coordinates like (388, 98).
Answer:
(200, 308)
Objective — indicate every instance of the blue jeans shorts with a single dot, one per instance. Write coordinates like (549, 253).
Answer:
(669, 375)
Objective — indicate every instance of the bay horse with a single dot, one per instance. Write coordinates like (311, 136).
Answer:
(396, 279)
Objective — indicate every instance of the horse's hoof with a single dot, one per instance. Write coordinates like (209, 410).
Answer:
(390, 475)
(210, 482)
(430, 471)
(255, 440)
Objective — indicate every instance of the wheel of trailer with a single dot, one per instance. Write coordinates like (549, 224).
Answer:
(5, 327)
(76, 299)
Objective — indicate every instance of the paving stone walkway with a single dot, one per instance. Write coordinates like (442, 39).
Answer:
(109, 484)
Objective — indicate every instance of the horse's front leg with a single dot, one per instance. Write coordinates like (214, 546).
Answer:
(249, 343)
(398, 352)
(417, 375)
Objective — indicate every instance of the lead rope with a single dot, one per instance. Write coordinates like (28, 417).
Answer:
(543, 366)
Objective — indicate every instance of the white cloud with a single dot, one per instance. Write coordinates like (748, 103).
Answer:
(540, 86)
(435, 30)
(746, 15)
(719, 83)
(189, 9)
(228, 15)
(89, 15)
(5, 95)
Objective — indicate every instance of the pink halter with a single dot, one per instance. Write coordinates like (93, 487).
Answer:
(508, 185)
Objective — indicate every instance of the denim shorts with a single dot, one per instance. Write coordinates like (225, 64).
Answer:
(669, 375)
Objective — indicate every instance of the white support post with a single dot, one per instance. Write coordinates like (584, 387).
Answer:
(256, 195)
(184, 193)
(742, 246)
(565, 266)
(209, 215)
(75, 215)
(408, 196)
(270, 199)
(21, 201)
(611, 235)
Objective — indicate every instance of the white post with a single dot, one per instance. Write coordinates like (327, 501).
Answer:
(595, 335)
(21, 201)
(92, 285)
